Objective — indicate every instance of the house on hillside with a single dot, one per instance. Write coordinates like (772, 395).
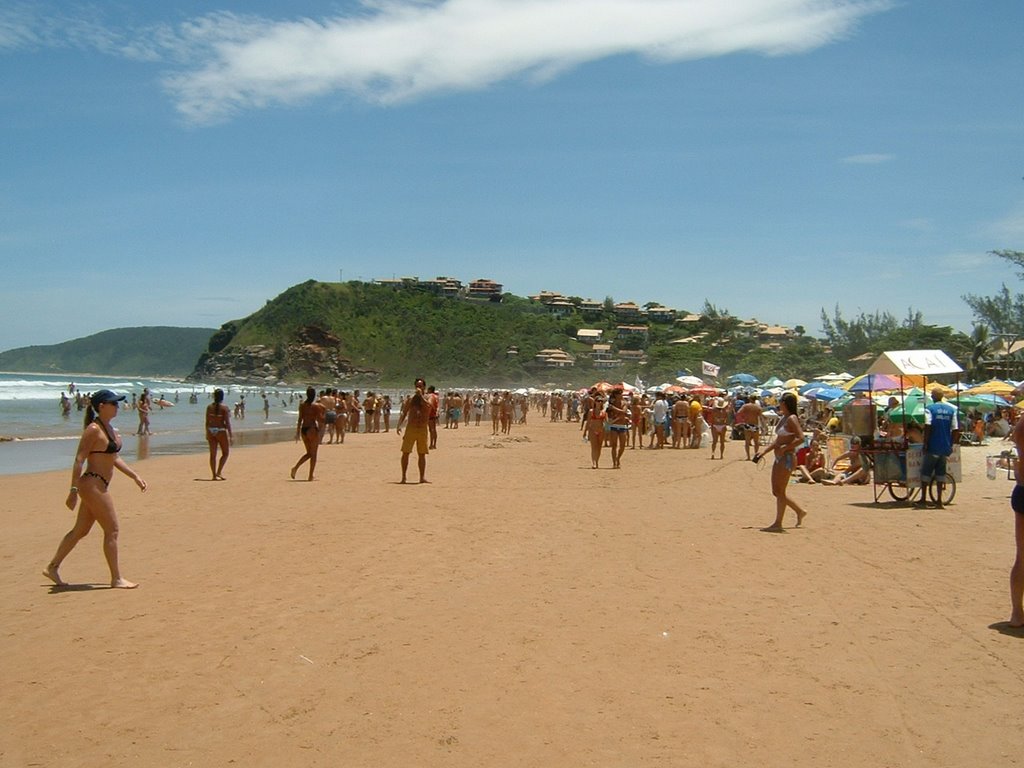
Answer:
(628, 311)
(589, 307)
(625, 331)
(484, 289)
(560, 307)
(554, 358)
(589, 335)
(660, 314)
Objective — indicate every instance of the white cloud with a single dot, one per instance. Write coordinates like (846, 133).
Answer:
(396, 50)
(868, 159)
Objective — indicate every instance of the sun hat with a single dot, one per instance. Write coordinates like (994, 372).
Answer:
(101, 396)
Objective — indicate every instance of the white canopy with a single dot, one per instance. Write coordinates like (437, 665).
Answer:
(915, 362)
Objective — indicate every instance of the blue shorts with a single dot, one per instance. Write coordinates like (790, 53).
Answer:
(933, 467)
(788, 460)
(1017, 499)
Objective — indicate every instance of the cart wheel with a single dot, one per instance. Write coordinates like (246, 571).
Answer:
(898, 492)
(948, 491)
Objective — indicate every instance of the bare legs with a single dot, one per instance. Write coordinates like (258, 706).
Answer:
(95, 506)
(1017, 576)
(311, 439)
(218, 441)
(421, 465)
(780, 480)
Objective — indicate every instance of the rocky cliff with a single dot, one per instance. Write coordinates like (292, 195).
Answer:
(314, 355)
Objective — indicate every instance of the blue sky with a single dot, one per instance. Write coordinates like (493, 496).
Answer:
(179, 163)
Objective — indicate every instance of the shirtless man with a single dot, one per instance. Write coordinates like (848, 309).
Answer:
(416, 411)
(748, 419)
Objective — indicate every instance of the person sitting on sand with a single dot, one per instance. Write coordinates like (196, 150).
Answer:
(416, 411)
(810, 464)
(858, 471)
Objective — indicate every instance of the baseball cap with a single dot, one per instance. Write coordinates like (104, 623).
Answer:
(105, 396)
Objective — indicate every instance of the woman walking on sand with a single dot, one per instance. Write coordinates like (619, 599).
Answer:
(788, 437)
(594, 420)
(218, 433)
(97, 452)
(310, 426)
(618, 426)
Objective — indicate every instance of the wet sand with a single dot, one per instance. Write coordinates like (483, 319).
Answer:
(520, 610)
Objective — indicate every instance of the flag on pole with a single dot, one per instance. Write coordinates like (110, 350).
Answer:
(638, 383)
(710, 369)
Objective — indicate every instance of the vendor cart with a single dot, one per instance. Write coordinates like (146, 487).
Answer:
(897, 463)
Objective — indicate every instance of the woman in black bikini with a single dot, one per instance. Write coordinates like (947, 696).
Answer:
(218, 433)
(310, 426)
(98, 453)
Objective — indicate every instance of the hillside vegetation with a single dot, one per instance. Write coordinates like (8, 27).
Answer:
(402, 332)
(147, 351)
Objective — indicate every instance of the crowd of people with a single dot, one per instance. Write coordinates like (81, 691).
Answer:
(611, 418)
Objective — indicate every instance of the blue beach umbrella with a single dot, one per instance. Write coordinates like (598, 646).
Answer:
(742, 378)
(824, 393)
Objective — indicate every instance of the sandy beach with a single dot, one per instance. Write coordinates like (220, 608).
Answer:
(520, 610)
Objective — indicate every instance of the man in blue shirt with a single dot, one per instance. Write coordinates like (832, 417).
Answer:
(941, 430)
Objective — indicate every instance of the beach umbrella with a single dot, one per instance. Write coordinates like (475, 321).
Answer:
(811, 385)
(793, 383)
(911, 409)
(874, 382)
(771, 382)
(991, 387)
(704, 391)
(602, 386)
(742, 378)
(690, 381)
(674, 389)
(825, 393)
(982, 402)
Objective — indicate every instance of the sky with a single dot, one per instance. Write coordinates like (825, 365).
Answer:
(181, 163)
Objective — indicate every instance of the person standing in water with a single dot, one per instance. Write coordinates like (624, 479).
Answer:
(98, 454)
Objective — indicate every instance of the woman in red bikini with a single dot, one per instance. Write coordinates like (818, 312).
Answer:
(98, 453)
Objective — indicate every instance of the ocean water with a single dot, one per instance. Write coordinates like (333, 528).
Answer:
(35, 436)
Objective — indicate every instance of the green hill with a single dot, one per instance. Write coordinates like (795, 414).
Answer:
(148, 351)
(324, 332)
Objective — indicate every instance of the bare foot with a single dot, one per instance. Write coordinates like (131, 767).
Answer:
(123, 584)
(1017, 622)
(52, 575)
(800, 518)
(294, 470)
(774, 529)
(424, 481)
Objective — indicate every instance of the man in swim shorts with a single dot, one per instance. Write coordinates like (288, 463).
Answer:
(416, 412)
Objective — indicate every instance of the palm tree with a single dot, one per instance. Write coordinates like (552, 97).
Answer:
(981, 347)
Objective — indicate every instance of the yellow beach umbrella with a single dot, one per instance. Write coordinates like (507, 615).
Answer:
(991, 387)
(793, 384)
(944, 389)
